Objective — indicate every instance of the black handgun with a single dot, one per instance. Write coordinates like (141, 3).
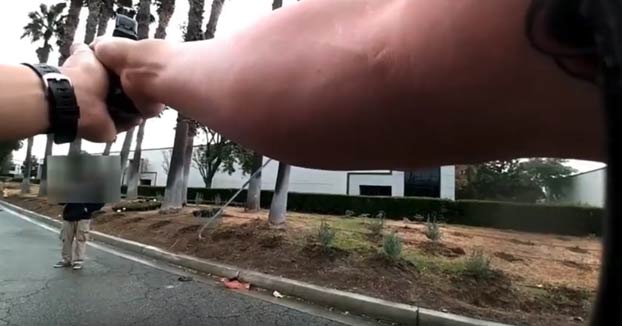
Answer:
(122, 109)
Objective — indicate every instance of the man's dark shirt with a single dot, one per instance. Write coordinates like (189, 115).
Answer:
(76, 212)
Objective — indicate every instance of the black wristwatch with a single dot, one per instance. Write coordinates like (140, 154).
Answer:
(64, 111)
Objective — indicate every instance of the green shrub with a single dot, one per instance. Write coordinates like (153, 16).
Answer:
(198, 198)
(376, 226)
(159, 197)
(432, 231)
(477, 265)
(326, 235)
(137, 206)
(217, 200)
(392, 246)
(557, 219)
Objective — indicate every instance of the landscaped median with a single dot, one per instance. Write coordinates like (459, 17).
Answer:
(511, 277)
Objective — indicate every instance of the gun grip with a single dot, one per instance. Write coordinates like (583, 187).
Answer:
(122, 109)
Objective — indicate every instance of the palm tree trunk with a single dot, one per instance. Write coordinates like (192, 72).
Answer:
(92, 19)
(105, 13)
(69, 30)
(75, 147)
(210, 28)
(133, 175)
(188, 161)
(125, 149)
(107, 149)
(174, 182)
(253, 196)
(28, 168)
(278, 207)
(43, 185)
(165, 12)
(49, 143)
(91, 23)
(133, 178)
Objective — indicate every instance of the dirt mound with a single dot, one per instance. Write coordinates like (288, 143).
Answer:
(462, 235)
(522, 242)
(158, 225)
(440, 249)
(507, 257)
(188, 229)
(317, 252)
(133, 220)
(578, 250)
(577, 265)
(494, 290)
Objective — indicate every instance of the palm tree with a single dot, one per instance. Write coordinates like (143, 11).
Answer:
(105, 13)
(165, 11)
(181, 158)
(91, 28)
(278, 207)
(68, 30)
(143, 17)
(43, 25)
(253, 196)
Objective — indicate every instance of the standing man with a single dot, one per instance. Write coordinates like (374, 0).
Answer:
(75, 233)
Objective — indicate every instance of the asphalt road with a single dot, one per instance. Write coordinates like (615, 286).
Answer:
(111, 290)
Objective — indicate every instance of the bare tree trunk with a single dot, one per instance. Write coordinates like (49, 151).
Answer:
(165, 12)
(92, 20)
(278, 207)
(107, 149)
(106, 12)
(125, 149)
(75, 147)
(69, 29)
(133, 178)
(253, 196)
(43, 184)
(133, 175)
(174, 182)
(188, 162)
(210, 28)
(28, 168)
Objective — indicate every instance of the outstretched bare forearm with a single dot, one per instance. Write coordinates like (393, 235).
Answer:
(384, 84)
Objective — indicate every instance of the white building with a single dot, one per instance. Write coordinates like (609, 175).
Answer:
(586, 188)
(436, 182)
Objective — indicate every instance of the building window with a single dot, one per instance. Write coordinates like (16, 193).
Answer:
(375, 190)
(423, 183)
(145, 182)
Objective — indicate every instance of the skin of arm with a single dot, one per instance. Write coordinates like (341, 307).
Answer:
(24, 108)
(374, 84)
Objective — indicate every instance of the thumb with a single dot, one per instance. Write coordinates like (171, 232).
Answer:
(113, 53)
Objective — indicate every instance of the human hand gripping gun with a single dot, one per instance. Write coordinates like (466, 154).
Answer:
(96, 179)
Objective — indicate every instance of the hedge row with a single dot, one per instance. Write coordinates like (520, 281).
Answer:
(569, 220)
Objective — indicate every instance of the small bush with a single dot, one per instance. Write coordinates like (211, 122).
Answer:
(392, 246)
(433, 231)
(350, 213)
(198, 198)
(136, 206)
(326, 235)
(477, 265)
(159, 197)
(376, 226)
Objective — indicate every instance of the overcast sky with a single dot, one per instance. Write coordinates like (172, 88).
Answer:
(159, 132)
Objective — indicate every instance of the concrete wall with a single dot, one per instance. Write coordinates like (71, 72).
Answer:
(301, 179)
(587, 188)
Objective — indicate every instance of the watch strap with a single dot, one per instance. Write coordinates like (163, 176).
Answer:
(64, 111)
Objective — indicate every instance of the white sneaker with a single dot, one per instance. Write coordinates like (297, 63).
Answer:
(62, 264)
(77, 265)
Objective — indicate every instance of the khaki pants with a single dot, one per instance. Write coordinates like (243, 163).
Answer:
(78, 231)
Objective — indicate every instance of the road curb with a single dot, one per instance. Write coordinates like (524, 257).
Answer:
(378, 308)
